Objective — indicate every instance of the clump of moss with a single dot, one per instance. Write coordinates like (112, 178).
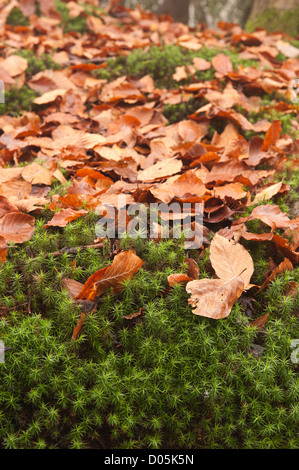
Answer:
(69, 24)
(179, 112)
(37, 64)
(17, 18)
(168, 379)
(161, 62)
(273, 115)
(274, 20)
(18, 101)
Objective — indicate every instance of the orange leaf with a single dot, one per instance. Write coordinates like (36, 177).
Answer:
(179, 278)
(124, 266)
(16, 227)
(261, 321)
(272, 135)
(3, 250)
(222, 64)
(284, 266)
(64, 216)
(193, 269)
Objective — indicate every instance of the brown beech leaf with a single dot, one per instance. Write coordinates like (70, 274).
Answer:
(64, 216)
(285, 265)
(257, 237)
(180, 73)
(135, 315)
(179, 278)
(6, 206)
(49, 96)
(124, 266)
(261, 321)
(37, 174)
(214, 298)
(267, 193)
(179, 186)
(272, 216)
(193, 269)
(286, 248)
(222, 64)
(14, 65)
(272, 135)
(230, 259)
(161, 169)
(16, 227)
(201, 64)
(3, 249)
(73, 287)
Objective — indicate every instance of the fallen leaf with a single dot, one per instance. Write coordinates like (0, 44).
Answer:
(267, 193)
(64, 216)
(230, 260)
(179, 278)
(285, 265)
(193, 269)
(124, 266)
(261, 321)
(272, 136)
(3, 249)
(16, 227)
(73, 287)
(214, 298)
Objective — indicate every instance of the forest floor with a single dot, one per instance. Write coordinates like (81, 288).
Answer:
(147, 339)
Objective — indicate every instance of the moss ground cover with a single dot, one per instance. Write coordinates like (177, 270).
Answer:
(168, 379)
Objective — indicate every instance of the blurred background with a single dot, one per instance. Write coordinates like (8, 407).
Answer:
(272, 15)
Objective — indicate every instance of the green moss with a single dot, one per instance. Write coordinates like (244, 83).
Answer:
(169, 380)
(161, 62)
(17, 101)
(273, 20)
(181, 111)
(16, 18)
(69, 24)
(37, 64)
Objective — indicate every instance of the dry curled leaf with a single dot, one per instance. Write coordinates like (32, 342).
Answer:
(124, 266)
(261, 321)
(285, 265)
(3, 249)
(64, 216)
(179, 278)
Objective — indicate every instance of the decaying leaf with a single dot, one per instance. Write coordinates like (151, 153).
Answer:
(16, 227)
(64, 216)
(124, 266)
(285, 265)
(214, 298)
(230, 259)
(178, 279)
(261, 321)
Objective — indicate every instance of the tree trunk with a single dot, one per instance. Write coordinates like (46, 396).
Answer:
(178, 9)
(281, 5)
